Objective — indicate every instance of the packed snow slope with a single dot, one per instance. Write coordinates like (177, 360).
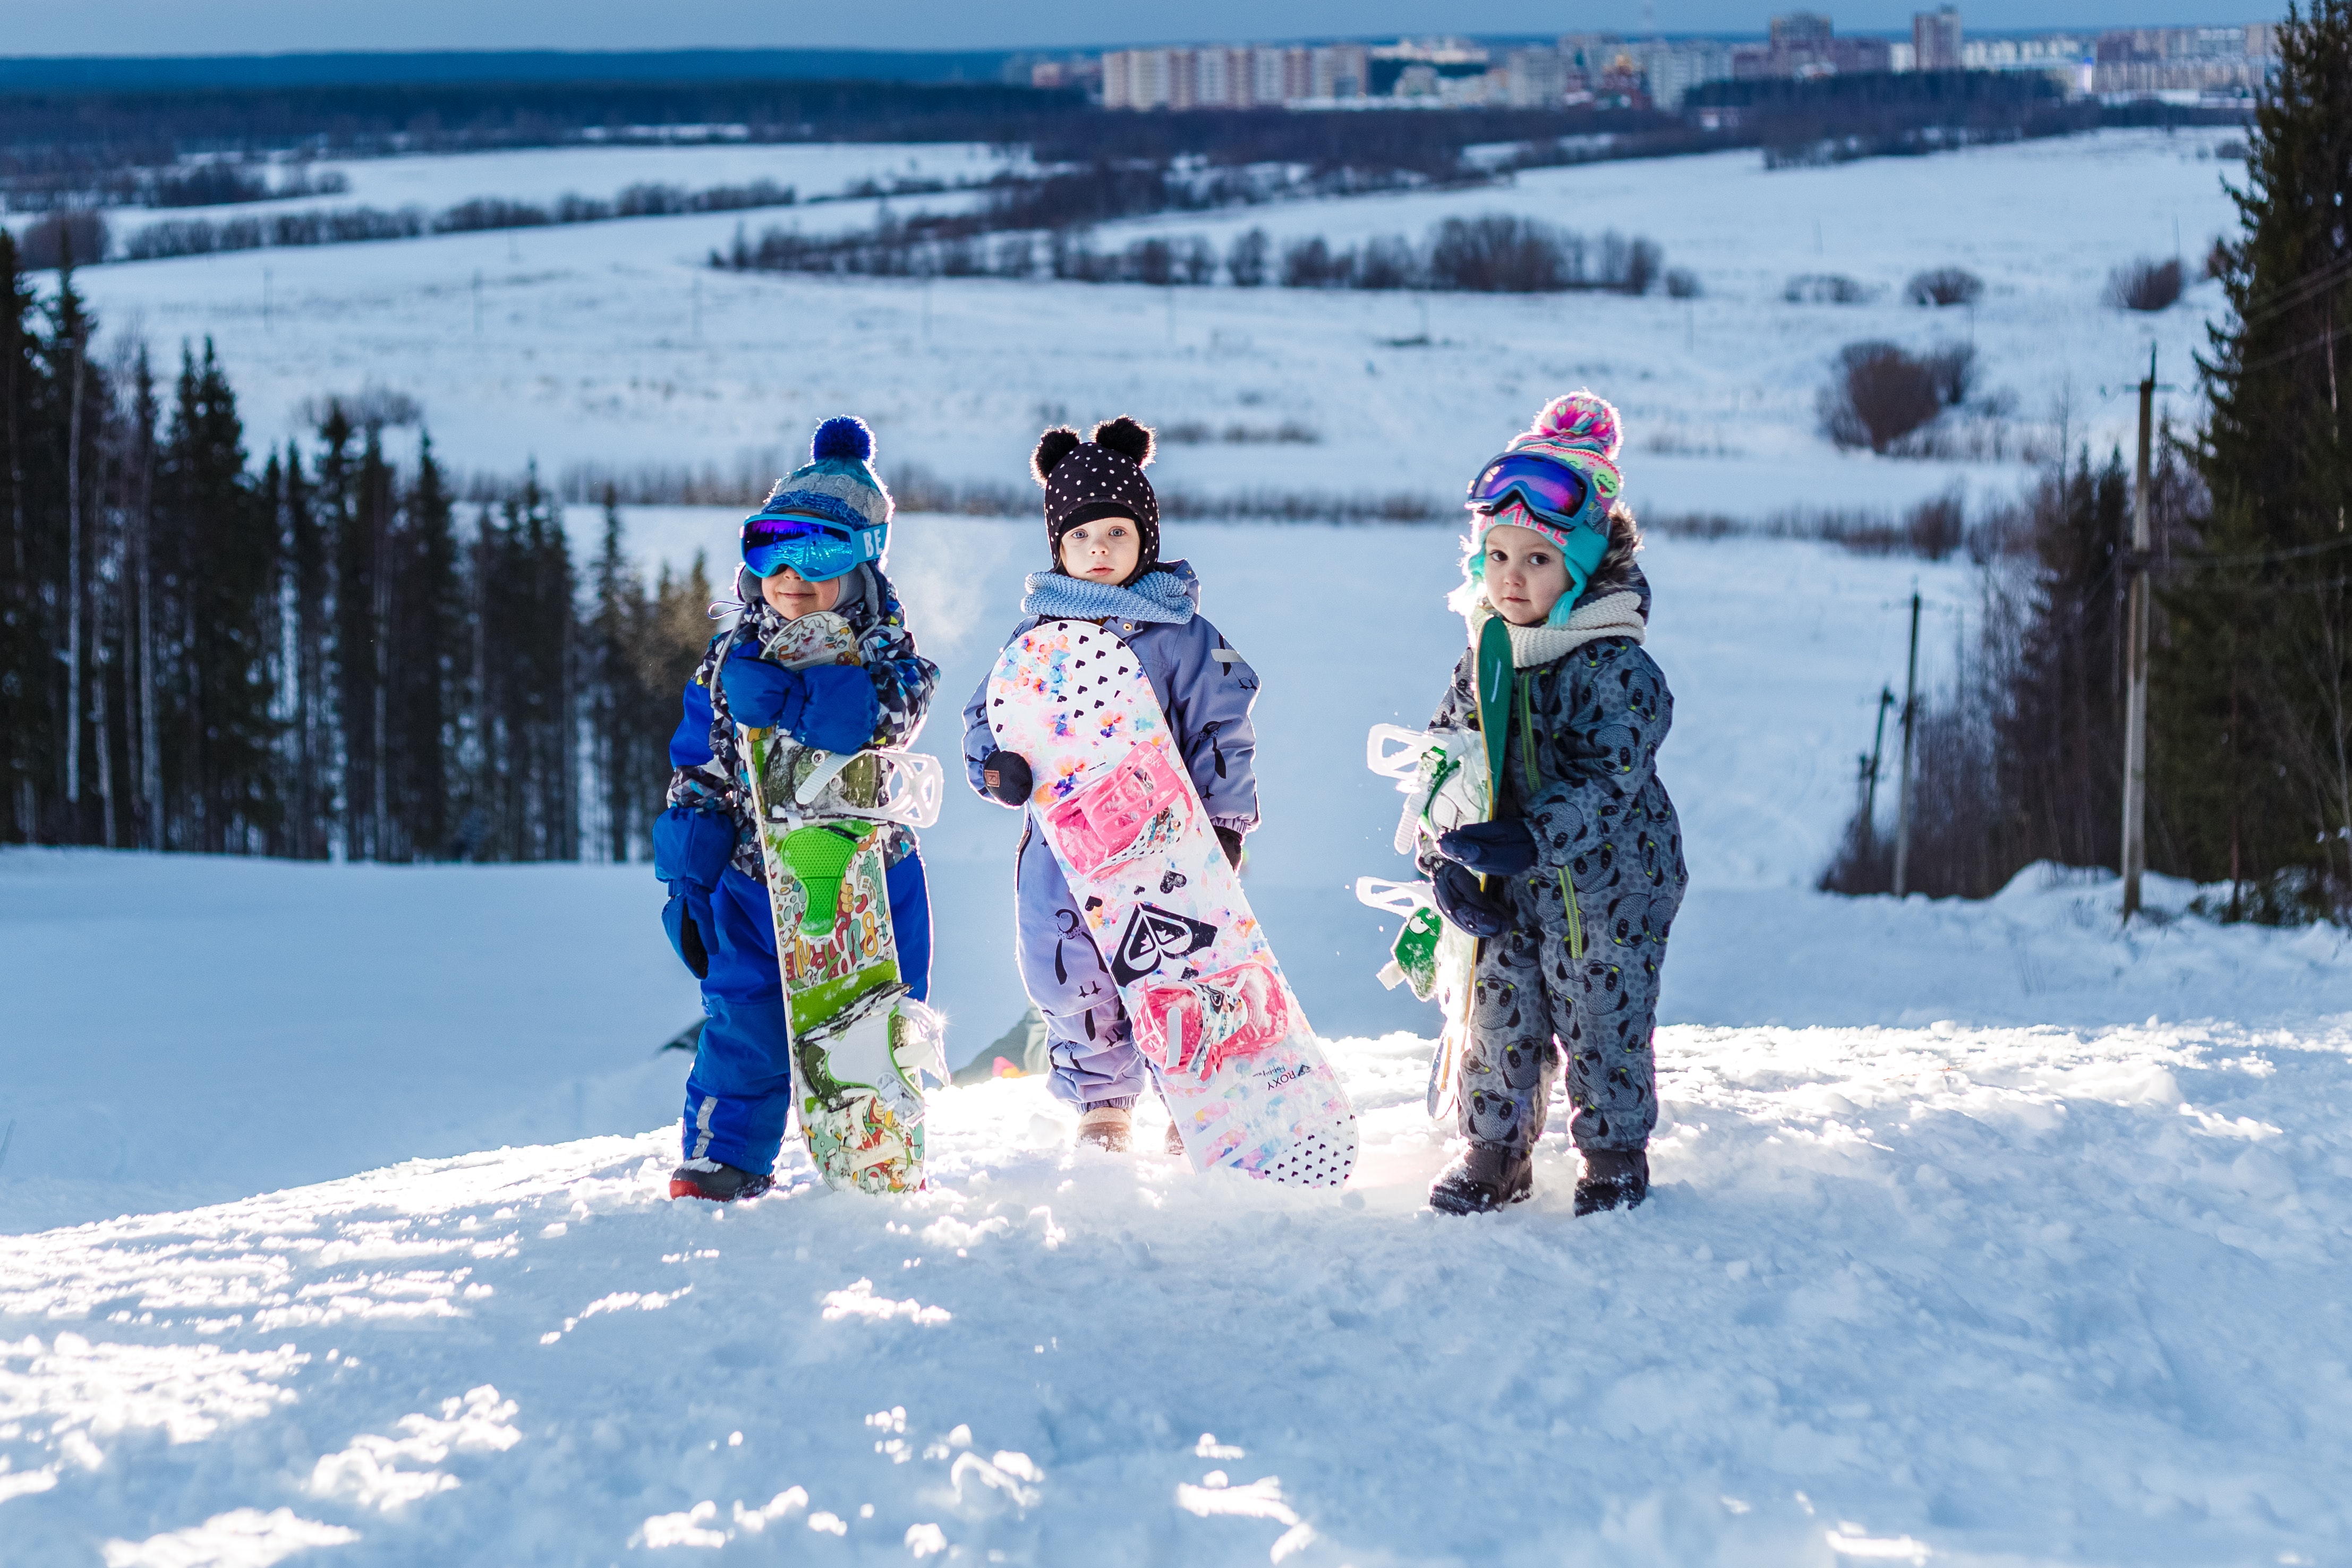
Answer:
(616, 343)
(1982, 1233)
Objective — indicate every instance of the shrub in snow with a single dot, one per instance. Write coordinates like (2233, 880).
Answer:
(1682, 284)
(1944, 285)
(1954, 366)
(2144, 285)
(1309, 263)
(1824, 288)
(1247, 261)
(1877, 394)
(55, 236)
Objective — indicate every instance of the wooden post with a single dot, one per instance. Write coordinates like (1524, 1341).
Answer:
(1902, 783)
(2136, 618)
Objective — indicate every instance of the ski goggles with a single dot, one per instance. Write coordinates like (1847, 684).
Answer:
(1553, 491)
(818, 548)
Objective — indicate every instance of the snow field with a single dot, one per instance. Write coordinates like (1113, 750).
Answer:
(1983, 1234)
(610, 343)
(437, 180)
(1979, 1295)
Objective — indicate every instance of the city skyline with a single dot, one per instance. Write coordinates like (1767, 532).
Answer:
(167, 27)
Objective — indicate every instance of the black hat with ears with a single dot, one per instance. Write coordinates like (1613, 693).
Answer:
(1101, 478)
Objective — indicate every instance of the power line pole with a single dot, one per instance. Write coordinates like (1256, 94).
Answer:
(1902, 783)
(2136, 617)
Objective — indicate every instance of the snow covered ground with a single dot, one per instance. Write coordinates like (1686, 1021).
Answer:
(612, 342)
(1982, 1235)
(822, 169)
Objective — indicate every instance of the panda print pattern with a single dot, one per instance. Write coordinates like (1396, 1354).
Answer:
(1580, 771)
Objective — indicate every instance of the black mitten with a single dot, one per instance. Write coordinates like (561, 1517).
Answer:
(1461, 899)
(1230, 840)
(1007, 776)
(1503, 849)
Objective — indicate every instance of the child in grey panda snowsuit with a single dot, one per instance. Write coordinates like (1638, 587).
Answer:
(1102, 523)
(817, 544)
(1573, 884)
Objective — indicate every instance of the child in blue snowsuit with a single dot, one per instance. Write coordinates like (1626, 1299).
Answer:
(1102, 522)
(817, 544)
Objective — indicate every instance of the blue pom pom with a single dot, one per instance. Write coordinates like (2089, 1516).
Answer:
(842, 437)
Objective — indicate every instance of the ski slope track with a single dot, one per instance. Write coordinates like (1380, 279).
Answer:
(1983, 1295)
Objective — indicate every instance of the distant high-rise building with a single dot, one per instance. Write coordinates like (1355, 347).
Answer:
(1801, 30)
(1339, 71)
(1804, 45)
(1935, 39)
(1537, 79)
(1672, 69)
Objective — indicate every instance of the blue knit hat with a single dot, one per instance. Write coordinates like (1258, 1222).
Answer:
(838, 485)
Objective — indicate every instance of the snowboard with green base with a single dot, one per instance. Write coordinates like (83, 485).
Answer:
(860, 1042)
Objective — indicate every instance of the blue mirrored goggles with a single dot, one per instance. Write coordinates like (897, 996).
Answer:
(818, 548)
(1553, 491)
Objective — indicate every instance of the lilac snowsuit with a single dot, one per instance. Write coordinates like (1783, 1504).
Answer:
(1207, 701)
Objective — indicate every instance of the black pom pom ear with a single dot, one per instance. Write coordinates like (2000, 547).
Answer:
(1052, 447)
(1125, 436)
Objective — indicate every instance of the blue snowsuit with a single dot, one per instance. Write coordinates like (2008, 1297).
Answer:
(1207, 700)
(707, 850)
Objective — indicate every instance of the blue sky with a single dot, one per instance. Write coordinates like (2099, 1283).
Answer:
(240, 27)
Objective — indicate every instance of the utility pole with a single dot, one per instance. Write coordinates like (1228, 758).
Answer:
(1877, 751)
(1902, 783)
(2136, 616)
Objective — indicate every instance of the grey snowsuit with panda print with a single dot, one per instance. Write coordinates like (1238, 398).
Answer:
(1580, 771)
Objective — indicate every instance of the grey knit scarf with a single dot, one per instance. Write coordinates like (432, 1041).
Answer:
(1157, 596)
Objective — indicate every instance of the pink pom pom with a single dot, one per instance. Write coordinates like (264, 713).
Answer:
(1583, 419)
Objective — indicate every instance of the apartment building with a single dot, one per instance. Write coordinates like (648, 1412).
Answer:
(1231, 76)
(2233, 60)
(1935, 39)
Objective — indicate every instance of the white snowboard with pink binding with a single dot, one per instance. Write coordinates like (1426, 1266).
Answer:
(1224, 1035)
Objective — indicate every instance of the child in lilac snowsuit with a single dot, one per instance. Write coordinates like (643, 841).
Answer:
(817, 544)
(1573, 884)
(1102, 522)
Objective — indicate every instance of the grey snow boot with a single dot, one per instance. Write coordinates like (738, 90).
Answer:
(1612, 1179)
(1486, 1177)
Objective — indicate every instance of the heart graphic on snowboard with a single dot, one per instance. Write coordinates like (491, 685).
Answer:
(1153, 935)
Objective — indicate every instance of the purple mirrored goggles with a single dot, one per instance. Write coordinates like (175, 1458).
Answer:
(1553, 491)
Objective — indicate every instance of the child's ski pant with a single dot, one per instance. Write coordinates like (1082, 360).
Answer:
(741, 1085)
(1529, 1000)
(1096, 1061)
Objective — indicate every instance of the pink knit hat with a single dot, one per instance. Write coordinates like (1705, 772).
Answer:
(1578, 431)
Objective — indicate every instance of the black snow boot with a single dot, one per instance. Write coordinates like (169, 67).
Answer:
(1486, 1177)
(720, 1184)
(1612, 1179)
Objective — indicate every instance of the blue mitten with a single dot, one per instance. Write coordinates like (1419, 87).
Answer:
(760, 694)
(691, 851)
(836, 712)
(1491, 848)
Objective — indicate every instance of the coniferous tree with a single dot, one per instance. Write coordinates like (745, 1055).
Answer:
(332, 501)
(23, 715)
(361, 582)
(2059, 733)
(2253, 687)
(221, 550)
(425, 636)
(307, 572)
